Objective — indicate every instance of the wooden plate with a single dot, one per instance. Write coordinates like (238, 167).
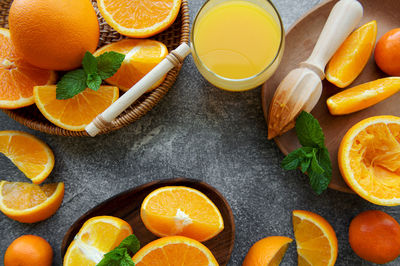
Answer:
(300, 41)
(126, 206)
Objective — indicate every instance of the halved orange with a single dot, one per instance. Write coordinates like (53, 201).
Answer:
(30, 203)
(76, 113)
(363, 96)
(17, 77)
(139, 18)
(174, 250)
(316, 240)
(369, 159)
(31, 155)
(176, 210)
(268, 251)
(352, 56)
(141, 56)
(96, 237)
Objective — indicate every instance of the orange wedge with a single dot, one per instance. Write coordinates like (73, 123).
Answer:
(17, 77)
(181, 211)
(141, 56)
(139, 18)
(363, 96)
(316, 240)
(76, 113)
(30, 203)
(268, 251)
(97, 236)
(31, 155)
(369, 159)
(174, 250)
(352, 56)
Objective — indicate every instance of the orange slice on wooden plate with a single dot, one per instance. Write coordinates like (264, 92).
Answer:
(17, 77)
(369, 159)
(31, 155)
(316, 240)
(97, 236)
(352, 56)
(139, 18)
(174, 250)
(141, 56)
(76, 113)
(30, 203)
(176, 210)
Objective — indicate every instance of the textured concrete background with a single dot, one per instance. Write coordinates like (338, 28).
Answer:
(201, 132)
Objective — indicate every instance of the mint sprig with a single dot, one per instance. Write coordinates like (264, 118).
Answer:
(313, 157)
(94, 70)
(122, 255)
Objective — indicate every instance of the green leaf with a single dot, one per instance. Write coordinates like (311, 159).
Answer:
(318, 182)
(296, 158)
(325, 162)
(309, 132)
(315, 167)
(305, 164)
(71, 84)
(89, 64)
(109, 63)
(93, 81)
(131, 243)
(122, 255)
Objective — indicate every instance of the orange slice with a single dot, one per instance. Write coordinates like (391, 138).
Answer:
(97, 236)
(316, 240)
(31, 155)
(76, 113)
(352, 56)
(369, 159)
(268, 251)
(141, 56)
(181, 211)
(30, 203)
(139, 18)
(174, 250)
(17, 77)
(363, 96)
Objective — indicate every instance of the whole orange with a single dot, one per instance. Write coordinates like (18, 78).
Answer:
(375, 236)
(53, 34)
(28, 250)
(387, 52)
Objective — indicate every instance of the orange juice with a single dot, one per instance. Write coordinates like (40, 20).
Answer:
(237, 40)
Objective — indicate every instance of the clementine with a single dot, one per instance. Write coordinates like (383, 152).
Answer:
(387, 52)
(54, 34)
(375, 236)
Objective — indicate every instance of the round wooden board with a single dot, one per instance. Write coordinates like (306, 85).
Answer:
(300, 41)
(126, 206)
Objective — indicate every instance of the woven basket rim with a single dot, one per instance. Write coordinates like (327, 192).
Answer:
(134, 112)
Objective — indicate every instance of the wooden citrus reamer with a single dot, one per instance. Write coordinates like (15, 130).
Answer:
(174, 59)
(301, 88)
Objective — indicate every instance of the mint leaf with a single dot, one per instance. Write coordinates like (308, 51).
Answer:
(315, 167)
(122, 255)
(71, 84)
(131, 243)
(296, 158)
(309, 132)
(325, 162)
(89, 64)
(109, 63)
(93, 81)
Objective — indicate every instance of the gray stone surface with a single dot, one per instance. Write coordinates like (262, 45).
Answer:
(196, 131)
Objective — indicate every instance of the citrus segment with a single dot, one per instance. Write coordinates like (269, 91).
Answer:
(352, 56)
(31, 155)
(369, 159)
(139, 18)
(141, 56)
(181, 211)
(76, 113)
(30, 203)
(363, 96)
(174, 250)
(97, 236)
(268, 251)
(17, 77)
(316, 240)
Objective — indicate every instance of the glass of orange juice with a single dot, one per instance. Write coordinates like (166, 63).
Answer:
(237, 44)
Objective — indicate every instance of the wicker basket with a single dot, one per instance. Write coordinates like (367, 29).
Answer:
(172, 38)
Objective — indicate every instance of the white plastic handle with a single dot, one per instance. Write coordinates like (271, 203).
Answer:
(344, 17)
